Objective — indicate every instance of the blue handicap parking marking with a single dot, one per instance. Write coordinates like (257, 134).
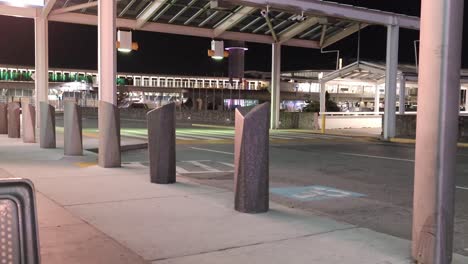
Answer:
(313, 193)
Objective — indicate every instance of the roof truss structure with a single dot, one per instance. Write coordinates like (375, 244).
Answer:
(322, 24)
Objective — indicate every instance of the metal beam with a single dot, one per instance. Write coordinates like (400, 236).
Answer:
(234, 20)
(48, 7)
(182, 11)
(149, 11)
(343, 34)
(74, 8)
(28, 12)
(84, 19)
(126, 8)
(197, 14)
(324, 8)
(298, 29)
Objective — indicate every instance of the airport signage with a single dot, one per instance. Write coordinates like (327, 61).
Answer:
(23, 3)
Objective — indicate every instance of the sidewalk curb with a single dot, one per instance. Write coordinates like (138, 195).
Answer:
(413, 141)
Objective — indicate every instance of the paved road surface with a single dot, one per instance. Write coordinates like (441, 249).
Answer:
(363, 183)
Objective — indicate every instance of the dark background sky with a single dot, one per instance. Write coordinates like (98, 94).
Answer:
(75, 46)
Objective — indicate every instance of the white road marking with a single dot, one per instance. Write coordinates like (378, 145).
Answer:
(179, 170)
(375, 157)
(199, 137)
(227, 164)
(462, 188)
(203, 166)
(206, 172)
(211, 150)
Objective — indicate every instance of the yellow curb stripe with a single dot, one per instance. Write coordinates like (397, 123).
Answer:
(85, 164)
(413, 141)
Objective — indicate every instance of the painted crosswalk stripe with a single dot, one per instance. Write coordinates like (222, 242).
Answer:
(227, 164)
(181, 170)
(203, 166)
(198, 137)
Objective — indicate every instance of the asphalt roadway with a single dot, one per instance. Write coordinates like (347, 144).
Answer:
(367, 183)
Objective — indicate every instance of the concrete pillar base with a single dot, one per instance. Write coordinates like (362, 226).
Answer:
(14, 126)
(109, 135)
(3, 119)
(73, 137)
(47, 126)
(161, 144)
(29, 123)
(251, 157)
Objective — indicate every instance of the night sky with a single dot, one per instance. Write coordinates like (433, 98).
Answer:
(75, 46)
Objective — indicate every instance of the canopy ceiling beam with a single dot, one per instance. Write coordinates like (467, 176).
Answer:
(297, 29)
(74, 8)
(149, 11)
(330, 9)
(343, 34)
(48, 7)
(27, 12)
(234, 19)
(78, 18)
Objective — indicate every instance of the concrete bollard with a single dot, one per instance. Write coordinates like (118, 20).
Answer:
(14, 126)
(251, 158)
(73, 137)
(29, 123)
(109, 140)
(47, 135)
(3, 119)
(161, 144)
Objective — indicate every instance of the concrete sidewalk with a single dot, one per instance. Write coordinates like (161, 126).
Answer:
(88, 214)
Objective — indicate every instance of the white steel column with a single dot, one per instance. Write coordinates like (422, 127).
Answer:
(391, 81)
(377, 100)
(42, 64)
(402, 95)
(437, 130)
(275, 85)
(323, 107)
(109, 120)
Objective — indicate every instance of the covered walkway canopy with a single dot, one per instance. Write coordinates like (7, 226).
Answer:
(301, 23)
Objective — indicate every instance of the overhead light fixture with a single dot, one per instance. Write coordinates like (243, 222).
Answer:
(124, 41)
(217, 51)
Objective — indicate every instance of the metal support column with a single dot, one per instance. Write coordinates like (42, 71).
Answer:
(402, 95)
(437, 130)
(391, 81)
(377, 100)
(323, 107)
(275, 86)
(109, 119)
(42, 64)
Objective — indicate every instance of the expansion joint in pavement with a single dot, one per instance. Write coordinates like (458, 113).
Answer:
(258, 243)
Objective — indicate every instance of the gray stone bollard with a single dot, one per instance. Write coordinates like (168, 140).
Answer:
(251, 158)
(73, 137)
(47, 126)
(29, 123)
(3, 119)
(161, 144)
(14, 126)
(109, 138)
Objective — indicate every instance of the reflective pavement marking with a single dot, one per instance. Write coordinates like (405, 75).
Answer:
(375, 157)
(180, 170)
(313, 193)
(227, 164)
(211, 150)
(203, 166)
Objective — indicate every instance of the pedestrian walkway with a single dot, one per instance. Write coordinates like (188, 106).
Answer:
(186, 135)
(95, 215)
